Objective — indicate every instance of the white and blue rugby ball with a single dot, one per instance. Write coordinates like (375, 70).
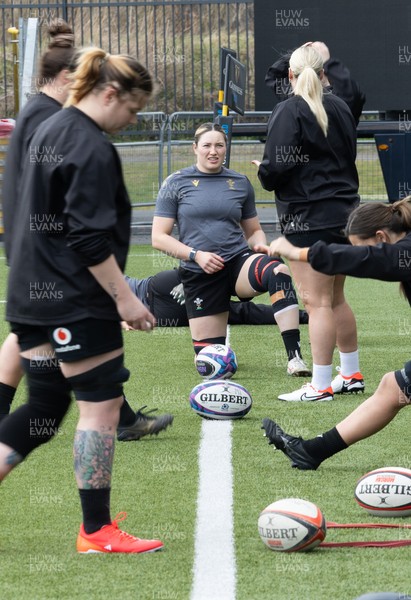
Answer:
(220, 399)
(216, 361)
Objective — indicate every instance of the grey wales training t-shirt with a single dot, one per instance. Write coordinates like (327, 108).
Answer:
(208, 209)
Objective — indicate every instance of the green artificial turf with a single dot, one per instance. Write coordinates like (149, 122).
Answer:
(155, 479)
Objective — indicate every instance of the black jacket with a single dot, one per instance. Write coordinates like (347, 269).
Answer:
(38, 109)
(314, 177)
(385, 262)
(337, 74)
(75, 214)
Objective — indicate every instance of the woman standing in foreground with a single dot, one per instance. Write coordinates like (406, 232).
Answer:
(381, 238)
(66, 291)
(54, 81)
(214, 209)
(309, 161)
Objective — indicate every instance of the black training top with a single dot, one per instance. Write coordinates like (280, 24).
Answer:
(385, 262)
(341, 83)
(38, 109)
(314, 176)
(76, 213)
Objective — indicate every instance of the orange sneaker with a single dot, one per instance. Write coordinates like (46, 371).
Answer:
(111, 539)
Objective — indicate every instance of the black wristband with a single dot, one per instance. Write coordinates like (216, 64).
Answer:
(192, 255)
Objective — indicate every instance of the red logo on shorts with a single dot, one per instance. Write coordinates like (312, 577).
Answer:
(62, 336)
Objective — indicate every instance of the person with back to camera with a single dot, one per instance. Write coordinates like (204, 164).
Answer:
(53, 80)
(337, 79)
(215, 211)
(381, 238)
(72, 338)
(309, 161)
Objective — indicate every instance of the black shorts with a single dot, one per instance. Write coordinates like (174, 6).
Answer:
(206, 294)
(305, 239)
(72, 341)
(403, 378)
(167, 311)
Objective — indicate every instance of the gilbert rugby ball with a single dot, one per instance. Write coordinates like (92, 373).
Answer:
(291, 525)
(385, 492)
(220, 399)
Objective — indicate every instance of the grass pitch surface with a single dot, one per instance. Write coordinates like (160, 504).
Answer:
(155, 479)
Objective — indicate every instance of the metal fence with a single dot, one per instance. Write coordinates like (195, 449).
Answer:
(146, 164)
(161, 144)
(178, 40)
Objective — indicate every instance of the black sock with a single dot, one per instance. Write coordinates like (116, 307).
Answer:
(7, 393)
(325, 445)
(95, 505)
(127, 415)
(291, 339)
(200, 344)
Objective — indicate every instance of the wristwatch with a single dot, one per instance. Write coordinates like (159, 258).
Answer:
(192, 255)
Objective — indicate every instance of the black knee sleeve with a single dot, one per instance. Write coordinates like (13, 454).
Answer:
(36, 422)
(200, 344)
(279, 285)
(403, 378)
(104, 382)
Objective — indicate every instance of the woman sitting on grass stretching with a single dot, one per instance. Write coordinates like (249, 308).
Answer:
(381, 238)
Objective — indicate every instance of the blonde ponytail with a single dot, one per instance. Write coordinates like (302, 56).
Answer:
(306, 65)
(87, 74)
(96, 68)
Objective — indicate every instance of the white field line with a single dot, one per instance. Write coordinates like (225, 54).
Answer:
(214, 570)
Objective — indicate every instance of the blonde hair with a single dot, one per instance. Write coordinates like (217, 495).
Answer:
(306, 65)
(96, 68)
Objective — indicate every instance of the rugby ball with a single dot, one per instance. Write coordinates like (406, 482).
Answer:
(291, 525)
(216, 361)
(385, 492)
(220, 400)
